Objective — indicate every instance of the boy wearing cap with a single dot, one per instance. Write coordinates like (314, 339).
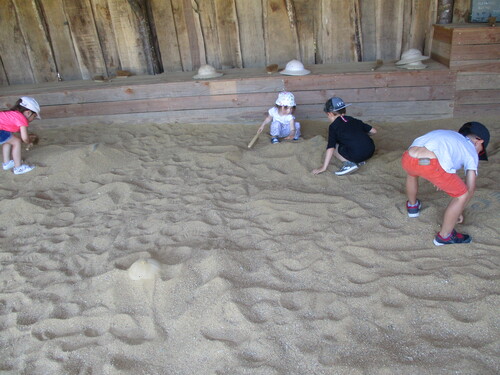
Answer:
(16, 120)
(436, 156)
(348, 139)
(282, 120)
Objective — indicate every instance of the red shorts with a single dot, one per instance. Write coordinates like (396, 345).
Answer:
(450, 183)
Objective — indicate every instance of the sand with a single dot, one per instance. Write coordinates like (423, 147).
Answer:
(250, 264)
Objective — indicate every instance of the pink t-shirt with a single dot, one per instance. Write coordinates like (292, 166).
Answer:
(12, 121)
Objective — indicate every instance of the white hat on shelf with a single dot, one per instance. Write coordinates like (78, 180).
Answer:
(411, 56)
(295, 68)
(207, 71)
(417, 65)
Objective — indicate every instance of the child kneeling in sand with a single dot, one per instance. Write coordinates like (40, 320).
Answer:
(282, 120)
(348, 138)
(436, 156)
(16, 120)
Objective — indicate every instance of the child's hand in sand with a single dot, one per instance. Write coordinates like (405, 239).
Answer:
(32, 140)
(318, 171)
(460, 219)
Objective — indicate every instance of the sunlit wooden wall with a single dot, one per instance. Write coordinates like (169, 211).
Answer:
(80, 39)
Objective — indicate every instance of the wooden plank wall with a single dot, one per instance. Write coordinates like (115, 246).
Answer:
(244, 95)
(80, 39)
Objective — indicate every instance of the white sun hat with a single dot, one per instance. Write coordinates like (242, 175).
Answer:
(417, 65)
(411, 56)
(207, 71)
(31, 104)
(295, 68)
(285, 99)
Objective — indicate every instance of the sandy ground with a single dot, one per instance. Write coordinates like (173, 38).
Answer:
(258, 266)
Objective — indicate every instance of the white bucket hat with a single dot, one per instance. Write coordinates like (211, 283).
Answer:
(31, 104)
(417, 65)
(285, 99)
(207, 71)
(295, 68)
(410, 56)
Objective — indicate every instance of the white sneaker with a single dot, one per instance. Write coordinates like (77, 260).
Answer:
(347, 167)
(24, 168)
(8, 165)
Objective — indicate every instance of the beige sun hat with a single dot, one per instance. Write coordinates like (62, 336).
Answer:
(295, 68)
(411, 56)
(417, 65)
(207, 71)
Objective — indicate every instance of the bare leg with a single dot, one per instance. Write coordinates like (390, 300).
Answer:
(6, 152)
(452, 213)
(411, 189)
(337, 155)
(15, 142)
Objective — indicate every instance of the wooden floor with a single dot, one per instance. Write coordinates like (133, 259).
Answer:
(243, 96)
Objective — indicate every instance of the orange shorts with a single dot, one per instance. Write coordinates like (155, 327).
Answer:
(450, 183)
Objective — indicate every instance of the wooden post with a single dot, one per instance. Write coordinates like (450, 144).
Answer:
(445, 11)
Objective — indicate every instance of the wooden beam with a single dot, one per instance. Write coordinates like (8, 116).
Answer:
(15, 61)
(107, 39)
(85, 38)
(131, 37)
(166, 33)
(251, 33)
(280, 35)
(35, 36)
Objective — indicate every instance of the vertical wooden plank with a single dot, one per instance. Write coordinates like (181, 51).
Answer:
(188, 34)
(131, 37)
(195, 33)
(208, 22)
(461, 11)
(251, 33)
(337, 35)
(60, 39)
(369, 30)
(3, 75)
(39, 50)
(106, 34)
(431, 20)
(416, 15)
(15, 59)
(85, 39)
(227, 30)
(163, 19)
(280, 35)
(182, 35)
(305, 11)
(389, 21)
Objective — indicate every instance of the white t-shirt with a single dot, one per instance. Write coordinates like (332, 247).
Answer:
(452, 149)
(282, 119)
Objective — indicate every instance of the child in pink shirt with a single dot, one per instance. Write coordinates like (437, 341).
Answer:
(14, 121)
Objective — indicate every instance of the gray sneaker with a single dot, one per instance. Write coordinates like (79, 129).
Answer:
(24, 168)
(347, 167)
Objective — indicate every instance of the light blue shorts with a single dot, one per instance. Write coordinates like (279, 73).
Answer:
(4, 136)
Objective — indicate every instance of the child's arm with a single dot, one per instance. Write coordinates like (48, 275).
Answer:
(372, 131)
(470, 181)
(328, 157)
(292, 129)
(266, 121)
(24, 134)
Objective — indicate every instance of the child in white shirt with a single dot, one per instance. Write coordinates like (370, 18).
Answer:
(282, 120)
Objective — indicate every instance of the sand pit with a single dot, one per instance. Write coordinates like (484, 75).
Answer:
(262, 267)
